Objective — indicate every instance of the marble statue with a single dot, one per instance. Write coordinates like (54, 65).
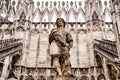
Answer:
(60, 44)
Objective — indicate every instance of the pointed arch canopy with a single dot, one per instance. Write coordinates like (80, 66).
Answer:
(71, 15)
(46, 15)
(107, 15)
(54, 15)
(63, 14)
(81, 15)
(37, 15)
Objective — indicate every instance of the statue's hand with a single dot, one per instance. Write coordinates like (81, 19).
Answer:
(67, 45)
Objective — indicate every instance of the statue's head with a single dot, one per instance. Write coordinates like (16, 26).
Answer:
(60, 22)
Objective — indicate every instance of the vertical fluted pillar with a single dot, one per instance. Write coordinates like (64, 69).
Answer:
(116, 34)
(90, 43)
(105, 69)
(24, 45)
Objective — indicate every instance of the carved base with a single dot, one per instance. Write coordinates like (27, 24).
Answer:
(64, 78)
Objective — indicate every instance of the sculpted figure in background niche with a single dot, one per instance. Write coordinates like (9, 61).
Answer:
(60, 44)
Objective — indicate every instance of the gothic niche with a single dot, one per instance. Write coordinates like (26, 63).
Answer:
(99, 64)
(98, 60)
(95, 16)
(22, 18)
(102, 77)
(112, 72)
(92, 78)
(15, 60)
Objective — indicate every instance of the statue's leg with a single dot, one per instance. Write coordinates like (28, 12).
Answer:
(57, 65)
(66, 67)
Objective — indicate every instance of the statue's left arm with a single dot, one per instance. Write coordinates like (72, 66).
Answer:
(69, 40)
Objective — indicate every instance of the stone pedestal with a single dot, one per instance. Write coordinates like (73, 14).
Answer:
(64, 78)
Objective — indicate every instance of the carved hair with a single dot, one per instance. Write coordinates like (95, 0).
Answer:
(61, 20)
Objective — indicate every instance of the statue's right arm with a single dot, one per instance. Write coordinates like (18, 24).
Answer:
(54, 35)
(59, 40)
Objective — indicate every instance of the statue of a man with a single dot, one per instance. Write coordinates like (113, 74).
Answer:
(64, 41)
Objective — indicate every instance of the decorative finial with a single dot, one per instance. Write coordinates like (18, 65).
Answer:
(38, 3)
(75, 4)
(67, 5)
(71, 3)
(50, 4)
(63, 3)
(80, 3)
(42, 4)
(55, 3)
(13, 3)
(46, 3)
(110, 2)
(59, 4)
(31, 2)
(105, 3)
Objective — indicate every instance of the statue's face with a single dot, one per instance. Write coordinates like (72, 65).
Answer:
(60, 23)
